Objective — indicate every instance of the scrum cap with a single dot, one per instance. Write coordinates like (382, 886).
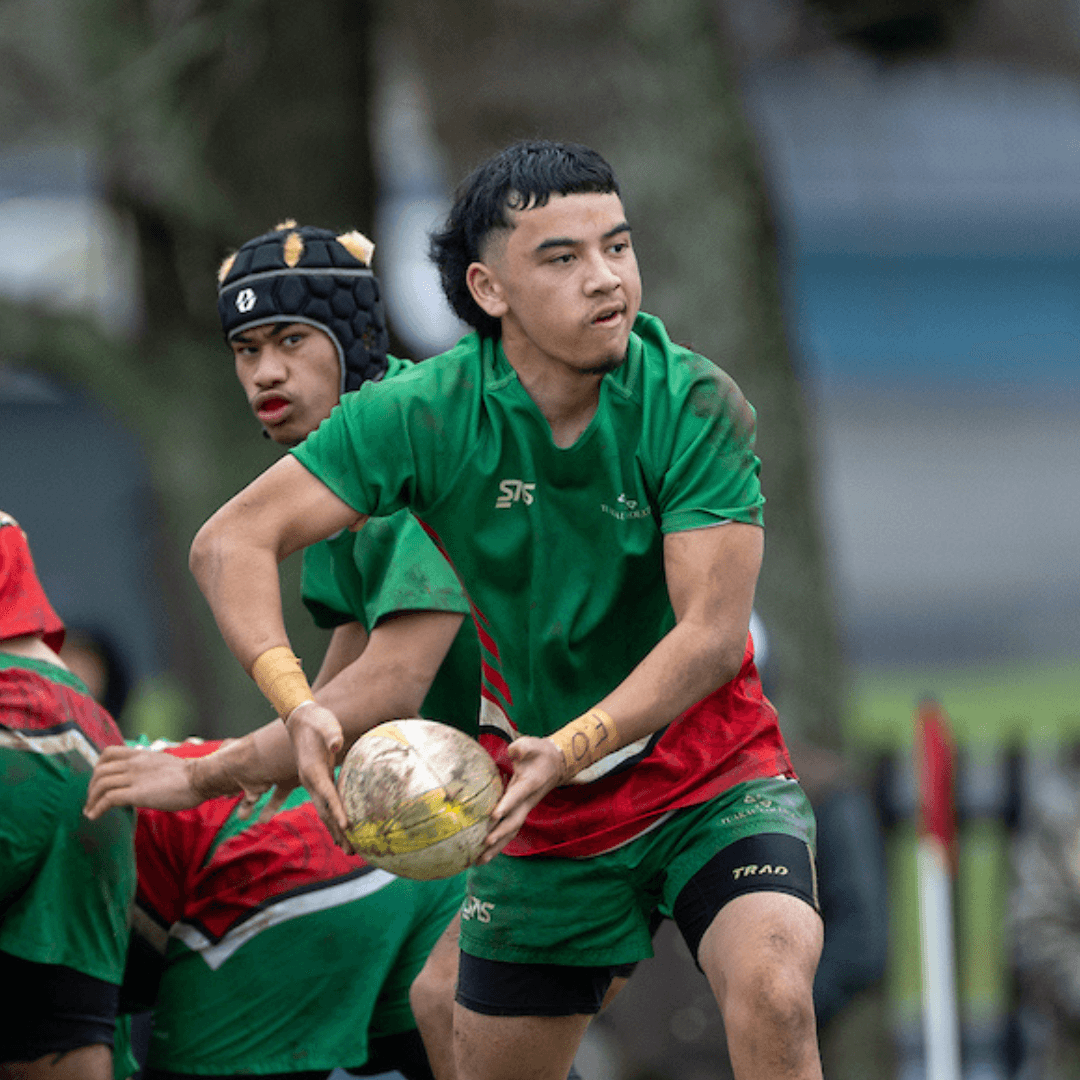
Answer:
(304, 274)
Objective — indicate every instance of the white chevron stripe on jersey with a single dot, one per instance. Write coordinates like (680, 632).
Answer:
(292, 907)
(61, 742)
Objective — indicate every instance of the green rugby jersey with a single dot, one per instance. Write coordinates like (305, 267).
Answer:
(561, 550)
(392, 566)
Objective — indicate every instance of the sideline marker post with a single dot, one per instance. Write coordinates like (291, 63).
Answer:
(935, 760)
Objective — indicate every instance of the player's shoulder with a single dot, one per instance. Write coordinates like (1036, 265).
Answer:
(676, 377)
(452, 372)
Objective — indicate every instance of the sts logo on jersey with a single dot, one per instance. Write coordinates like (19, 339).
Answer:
(514, 491)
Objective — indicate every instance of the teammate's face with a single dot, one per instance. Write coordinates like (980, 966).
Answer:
(291, 375)
(564, 281)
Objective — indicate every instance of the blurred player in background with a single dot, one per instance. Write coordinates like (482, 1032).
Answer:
(597, 489)
(263, 949)
(66, 883)
(210, 876)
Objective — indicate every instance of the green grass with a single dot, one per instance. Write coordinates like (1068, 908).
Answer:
(986, 703)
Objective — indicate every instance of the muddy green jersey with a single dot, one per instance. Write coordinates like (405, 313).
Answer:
(561, 551)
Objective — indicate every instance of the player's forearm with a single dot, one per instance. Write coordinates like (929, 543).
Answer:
(346, 646)
(392, 673)
(364, 695)
(239, 578)
(263, 756)
(685, 666)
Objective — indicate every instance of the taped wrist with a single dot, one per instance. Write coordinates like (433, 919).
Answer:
(584, 741)
(278, 674)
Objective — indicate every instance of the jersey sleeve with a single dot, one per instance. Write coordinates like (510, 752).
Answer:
(379, 450)
(402, 571)
(709, 472)
(319, 589)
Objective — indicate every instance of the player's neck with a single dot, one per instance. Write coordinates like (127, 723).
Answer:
(566, 397)
(31, 647)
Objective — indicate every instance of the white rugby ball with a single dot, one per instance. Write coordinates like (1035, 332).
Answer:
(418, 795)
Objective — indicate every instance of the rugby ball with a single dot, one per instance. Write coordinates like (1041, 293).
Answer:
(418, 794)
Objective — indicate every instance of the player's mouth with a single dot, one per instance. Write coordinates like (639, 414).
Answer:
(609, 316)
(272, 408)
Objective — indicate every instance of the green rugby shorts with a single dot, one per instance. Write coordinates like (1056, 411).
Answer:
(597, 910)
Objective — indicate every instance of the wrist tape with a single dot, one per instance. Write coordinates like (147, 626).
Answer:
(278, 674)
(585, 740)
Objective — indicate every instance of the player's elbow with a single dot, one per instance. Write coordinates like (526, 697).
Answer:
(721, 657)
(201, 555)
(407, 683)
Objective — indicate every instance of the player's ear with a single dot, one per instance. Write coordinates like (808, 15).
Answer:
(486, 289)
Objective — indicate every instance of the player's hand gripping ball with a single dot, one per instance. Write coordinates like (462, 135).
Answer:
(418, 795)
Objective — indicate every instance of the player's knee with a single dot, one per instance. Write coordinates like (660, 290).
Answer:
(773, 997)
(431, 994)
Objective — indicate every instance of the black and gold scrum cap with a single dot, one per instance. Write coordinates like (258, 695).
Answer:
(315, 276)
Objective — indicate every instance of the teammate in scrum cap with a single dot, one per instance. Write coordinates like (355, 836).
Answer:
(302, 314)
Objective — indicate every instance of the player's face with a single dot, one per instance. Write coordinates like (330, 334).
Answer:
(564, 281)
(291, 375)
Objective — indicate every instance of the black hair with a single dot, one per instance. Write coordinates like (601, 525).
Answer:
(524, 175)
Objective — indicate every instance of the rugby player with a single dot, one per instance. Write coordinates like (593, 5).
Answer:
(400, 647)
(596, 488)
(66, 883)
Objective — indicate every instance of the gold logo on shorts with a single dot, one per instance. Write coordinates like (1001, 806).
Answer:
(754, 870)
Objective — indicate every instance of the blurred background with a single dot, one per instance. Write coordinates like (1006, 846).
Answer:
(868, 211)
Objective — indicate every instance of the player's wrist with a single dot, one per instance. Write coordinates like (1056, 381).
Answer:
(584, 741)
(278, 674)
(211, 777)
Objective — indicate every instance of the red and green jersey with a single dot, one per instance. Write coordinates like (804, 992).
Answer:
(65, 882)
(280, 952)
(561, 551)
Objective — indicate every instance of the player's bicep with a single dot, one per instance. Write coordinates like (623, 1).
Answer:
(711, 577)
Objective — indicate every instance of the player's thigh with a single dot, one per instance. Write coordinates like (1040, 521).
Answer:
(515, 1047)
(762, 947)
(553, 911)
(86, 1063)
(421, 919)
(757, 837)
(434, 986)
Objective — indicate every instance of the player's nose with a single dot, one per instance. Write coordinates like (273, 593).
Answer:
(271, 368)
(601, 277)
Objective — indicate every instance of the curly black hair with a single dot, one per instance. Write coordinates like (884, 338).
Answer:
(521, 177)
